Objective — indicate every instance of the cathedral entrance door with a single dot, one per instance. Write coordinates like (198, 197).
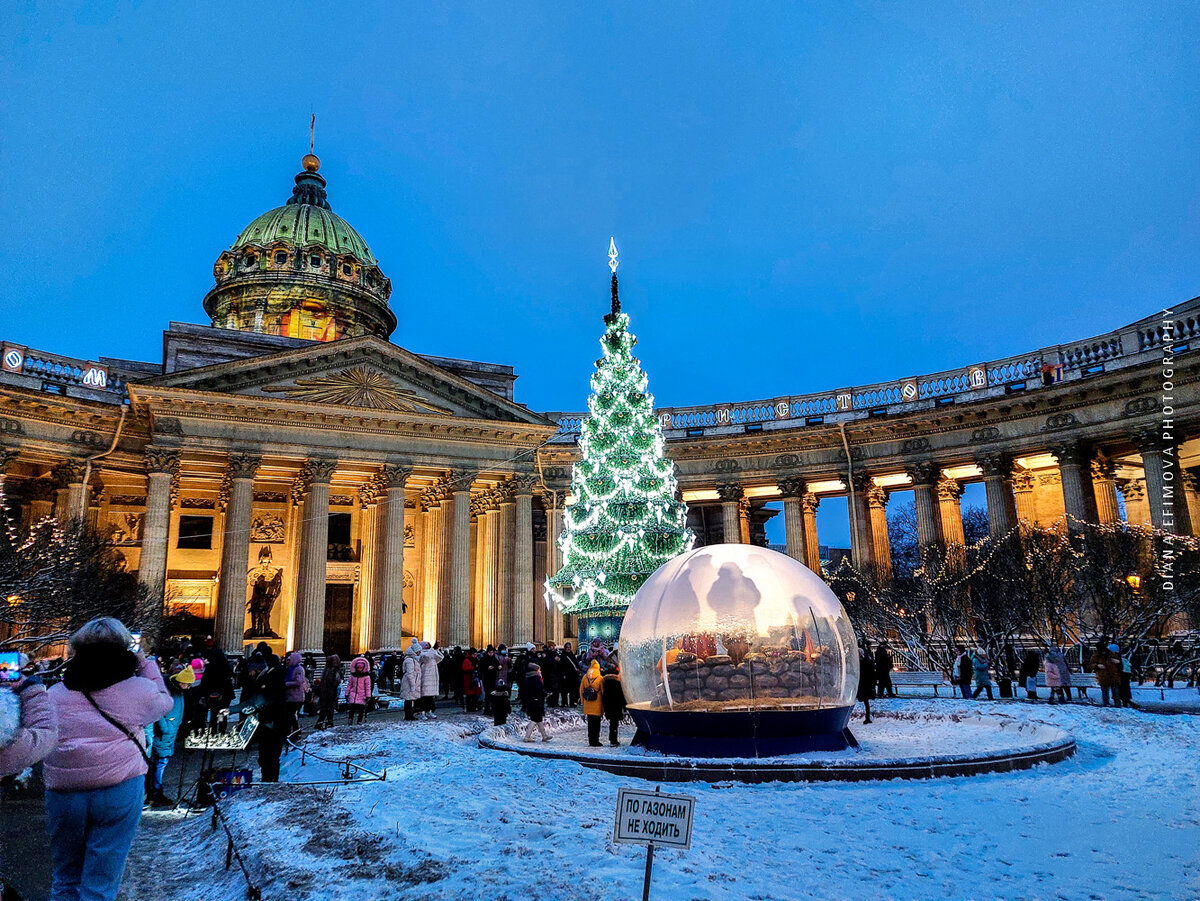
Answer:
(339, 604)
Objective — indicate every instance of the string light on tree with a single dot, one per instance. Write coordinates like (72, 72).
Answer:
(625, 521)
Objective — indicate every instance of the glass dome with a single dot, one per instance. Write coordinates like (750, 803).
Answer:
(736, 628)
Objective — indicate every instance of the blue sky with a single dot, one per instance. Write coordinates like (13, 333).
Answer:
(806, 196)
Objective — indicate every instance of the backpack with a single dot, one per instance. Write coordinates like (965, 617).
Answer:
(589, 692)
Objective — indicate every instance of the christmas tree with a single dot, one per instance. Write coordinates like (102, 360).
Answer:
(625, 521)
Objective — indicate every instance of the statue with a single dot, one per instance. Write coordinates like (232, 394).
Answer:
(266, 581)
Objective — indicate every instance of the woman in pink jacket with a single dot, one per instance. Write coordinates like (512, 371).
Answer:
(95, 776)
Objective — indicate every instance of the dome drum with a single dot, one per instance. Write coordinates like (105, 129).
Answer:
(735, 650)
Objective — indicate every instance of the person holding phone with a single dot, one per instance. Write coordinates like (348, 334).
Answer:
(95, 776)
(28, 726)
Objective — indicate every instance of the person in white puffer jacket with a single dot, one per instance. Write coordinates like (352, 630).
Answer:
(430, 658)
(410, 680)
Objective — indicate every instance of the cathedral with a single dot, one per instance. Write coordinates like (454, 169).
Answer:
(287, 474)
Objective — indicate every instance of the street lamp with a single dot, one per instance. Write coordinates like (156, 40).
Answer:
(1134, 580)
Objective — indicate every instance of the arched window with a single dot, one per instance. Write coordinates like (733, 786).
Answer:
(249, 260)
(281, 258)
(347, 269)
(315, 261)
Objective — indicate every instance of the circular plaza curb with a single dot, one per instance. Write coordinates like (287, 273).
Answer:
(801, 769)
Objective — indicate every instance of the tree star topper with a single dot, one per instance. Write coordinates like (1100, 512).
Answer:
(612, 255)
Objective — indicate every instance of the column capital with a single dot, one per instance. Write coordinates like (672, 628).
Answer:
(40, 490)
(995, 465)
(861, 481)
(1104, 468)
(924, 472)
(1133, 489)
(792, 487)
(67, 472)
(394, 475)
(730, 492)
(949, 489)
(1022, 480)
(1070, 453)
(460, 479)
(877, 497)
(504, 492)
(162, 459)
(243, 466)
(319, 470)
(7, 455)
(810, 502)
(525, 483)
(1148, 440)
(1191, 482)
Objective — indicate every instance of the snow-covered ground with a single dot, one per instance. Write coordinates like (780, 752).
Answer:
(1120, 820)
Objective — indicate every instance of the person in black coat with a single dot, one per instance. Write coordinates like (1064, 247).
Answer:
(501, 703)
(216, 685)
(489, 672)
(534, 693)
(273, 718)
(866, 681)
(613, 701)
(883, 671)
(1028, 674)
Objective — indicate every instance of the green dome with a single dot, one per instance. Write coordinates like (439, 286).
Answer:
(306, 225)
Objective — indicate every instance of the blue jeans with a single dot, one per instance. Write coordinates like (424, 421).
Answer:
(90, 835)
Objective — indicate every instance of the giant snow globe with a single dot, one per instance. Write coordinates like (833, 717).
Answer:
(733, 650)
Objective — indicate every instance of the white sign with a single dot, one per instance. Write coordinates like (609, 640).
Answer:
(908, 389)
(95, 377)
(664, 420)
(645, 817)
(783, 410)
(14, 358)
(977, 377)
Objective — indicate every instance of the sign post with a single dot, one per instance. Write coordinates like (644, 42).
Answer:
(651, 818)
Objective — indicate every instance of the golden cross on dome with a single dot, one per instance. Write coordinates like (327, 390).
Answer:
(612, 255)
(312, 132)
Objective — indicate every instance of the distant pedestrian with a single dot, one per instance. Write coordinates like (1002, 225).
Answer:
(359, 686)
(329, 690)
(534, 693)
(983, 680)
(410, 681)
(164, 733)
(501, 703)
(613, 699)
(296, 688)
(591, 687)
(1028, 673)
(866, 681)
(1107, 664)
(884, 664)
(1058, 675)
(430, 658)
(964, 671)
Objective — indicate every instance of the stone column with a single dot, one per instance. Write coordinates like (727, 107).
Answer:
(554, 527)
(1071, 461)
(41, 501)
(426, 623)
(1104, 486)
(230, 626)
(314, 554)
(479, 545)
(1164, 489)
(731, 521)
(1191, 496)
(877, 499)
(446, 559)
(492, 572)
(924, 477)
(860, 522)
(522, 630)
(1001, 506)
(792, 490)
(387, 607)
(949, 493)
(505, 575)
(809, 503)
(1137, 509)
(162, 468)
(1023, 484)
(457, 618)
(68, 480)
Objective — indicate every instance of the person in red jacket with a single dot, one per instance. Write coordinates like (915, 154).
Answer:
(95, 776)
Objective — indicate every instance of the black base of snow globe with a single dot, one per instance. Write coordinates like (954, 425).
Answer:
(742, 733)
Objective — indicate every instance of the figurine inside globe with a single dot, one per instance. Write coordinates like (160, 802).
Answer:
(736, 649)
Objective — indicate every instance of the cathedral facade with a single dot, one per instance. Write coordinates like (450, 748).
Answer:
(287, 474)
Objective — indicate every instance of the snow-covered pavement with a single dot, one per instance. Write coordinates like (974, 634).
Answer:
(1120, 820)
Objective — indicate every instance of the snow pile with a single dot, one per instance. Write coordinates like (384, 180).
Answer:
(1120, 820)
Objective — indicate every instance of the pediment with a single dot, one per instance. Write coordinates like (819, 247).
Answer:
(361, 373)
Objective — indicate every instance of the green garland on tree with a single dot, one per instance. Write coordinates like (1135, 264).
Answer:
(625, 521)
